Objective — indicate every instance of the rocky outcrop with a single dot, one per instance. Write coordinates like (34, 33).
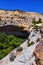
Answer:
(15, 30)
(19, 18)
(38, 53)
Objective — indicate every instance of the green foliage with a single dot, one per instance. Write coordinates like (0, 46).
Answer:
(29, 44)
(34, 22)
(39, 21)
(12, 57)
(8, 43)
(3, 38)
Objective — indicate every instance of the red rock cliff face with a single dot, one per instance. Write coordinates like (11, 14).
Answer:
(38, 53)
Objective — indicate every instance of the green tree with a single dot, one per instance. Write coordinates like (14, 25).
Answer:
(34, 24)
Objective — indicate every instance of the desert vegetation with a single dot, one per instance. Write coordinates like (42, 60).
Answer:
(36, 23)
(29, 44)
(8, 43)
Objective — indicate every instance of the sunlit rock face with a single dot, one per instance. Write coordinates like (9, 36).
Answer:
(38, 53)
(18, 17)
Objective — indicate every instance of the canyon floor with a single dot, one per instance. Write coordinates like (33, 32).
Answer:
(25, 57)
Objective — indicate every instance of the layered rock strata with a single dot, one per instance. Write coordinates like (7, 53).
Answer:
(18, 18)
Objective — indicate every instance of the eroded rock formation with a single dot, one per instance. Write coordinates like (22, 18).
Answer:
(19, 18)
(38, 52)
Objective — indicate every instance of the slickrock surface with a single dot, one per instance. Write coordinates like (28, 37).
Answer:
(39, 53)
(18, 17)
(25, 57)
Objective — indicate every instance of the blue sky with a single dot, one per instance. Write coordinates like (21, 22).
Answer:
(26, 5)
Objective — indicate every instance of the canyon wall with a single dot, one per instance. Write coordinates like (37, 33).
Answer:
(18, 18)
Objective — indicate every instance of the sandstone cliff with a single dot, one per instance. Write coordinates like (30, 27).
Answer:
(19, 18)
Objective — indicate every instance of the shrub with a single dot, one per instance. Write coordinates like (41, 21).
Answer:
(19, 49)
(12, 57)
(8, 43)
(1, 55)
(28, 40)
(29, 44)
(34, 22)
